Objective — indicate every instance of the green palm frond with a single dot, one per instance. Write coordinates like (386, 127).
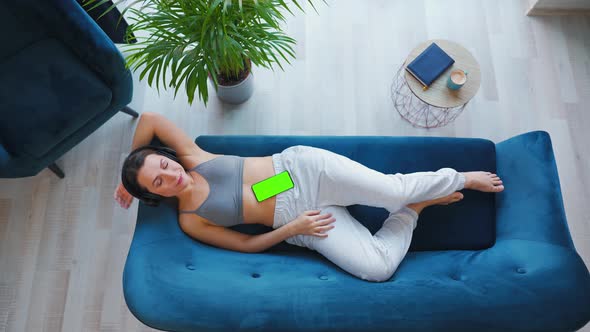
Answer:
(192, 39)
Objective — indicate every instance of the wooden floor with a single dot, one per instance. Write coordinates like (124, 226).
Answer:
(63, 243)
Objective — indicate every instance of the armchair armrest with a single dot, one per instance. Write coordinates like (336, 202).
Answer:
(4, 156)
(71, 24)
(531, 205)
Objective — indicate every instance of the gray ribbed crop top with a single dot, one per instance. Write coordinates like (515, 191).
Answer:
(223, 205)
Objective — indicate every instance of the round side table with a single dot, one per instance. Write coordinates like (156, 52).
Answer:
(438, 105)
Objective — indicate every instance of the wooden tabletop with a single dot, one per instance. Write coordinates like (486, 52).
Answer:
(438, 94)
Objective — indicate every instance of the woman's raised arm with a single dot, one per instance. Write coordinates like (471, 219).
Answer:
(172, 136)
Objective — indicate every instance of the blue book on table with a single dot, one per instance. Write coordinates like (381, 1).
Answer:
(430, 64)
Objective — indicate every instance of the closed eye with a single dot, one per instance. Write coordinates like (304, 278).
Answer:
(165, 166)
(158, 183)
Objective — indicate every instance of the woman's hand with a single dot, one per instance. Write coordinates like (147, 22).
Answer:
(123, 197)
(312, 223)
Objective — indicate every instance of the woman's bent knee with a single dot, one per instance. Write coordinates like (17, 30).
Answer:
(378, 274)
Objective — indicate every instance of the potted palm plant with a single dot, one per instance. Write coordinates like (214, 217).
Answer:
(199, 40)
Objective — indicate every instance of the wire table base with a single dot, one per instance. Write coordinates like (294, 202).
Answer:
(417, 112)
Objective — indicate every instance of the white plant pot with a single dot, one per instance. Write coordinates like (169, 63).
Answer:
(239, 93)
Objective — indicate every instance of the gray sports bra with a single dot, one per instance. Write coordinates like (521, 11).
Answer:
(223, 205)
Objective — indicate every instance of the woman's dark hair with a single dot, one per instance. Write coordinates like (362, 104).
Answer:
(131, 166)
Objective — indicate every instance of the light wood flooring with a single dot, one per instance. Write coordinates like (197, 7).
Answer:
(63, 243)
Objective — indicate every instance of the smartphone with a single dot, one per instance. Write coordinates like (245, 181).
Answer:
(272, 186)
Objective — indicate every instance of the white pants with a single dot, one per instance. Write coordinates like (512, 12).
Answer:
(328, 181)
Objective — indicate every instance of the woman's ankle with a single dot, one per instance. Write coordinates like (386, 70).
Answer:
(468, 180)
(417, 207)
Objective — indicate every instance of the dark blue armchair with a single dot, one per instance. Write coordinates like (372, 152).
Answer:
(61, 78)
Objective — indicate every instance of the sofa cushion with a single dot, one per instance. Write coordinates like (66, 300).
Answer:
(466, 225)
(36, 97)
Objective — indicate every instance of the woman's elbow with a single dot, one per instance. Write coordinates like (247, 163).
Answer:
(148, 115)
(247, 248)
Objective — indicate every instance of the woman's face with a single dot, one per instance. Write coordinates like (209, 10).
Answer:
(162, 176)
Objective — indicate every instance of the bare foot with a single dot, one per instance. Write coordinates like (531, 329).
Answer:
(483, 181)
(446, 200)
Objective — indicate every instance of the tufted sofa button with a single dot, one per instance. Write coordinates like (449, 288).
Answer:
(458, 277)
(324, 277)
(190, 266)
(521, 270)
(255, 275)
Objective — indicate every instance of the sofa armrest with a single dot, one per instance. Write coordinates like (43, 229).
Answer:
(71, 24)
(531, 205)
(4, 156)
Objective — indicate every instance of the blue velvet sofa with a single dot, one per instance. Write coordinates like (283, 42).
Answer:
(492, 262)
(61, 78)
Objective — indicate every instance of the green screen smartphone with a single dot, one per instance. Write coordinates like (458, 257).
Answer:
(272, 186)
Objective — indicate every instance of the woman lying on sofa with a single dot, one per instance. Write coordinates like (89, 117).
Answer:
(214, 192)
